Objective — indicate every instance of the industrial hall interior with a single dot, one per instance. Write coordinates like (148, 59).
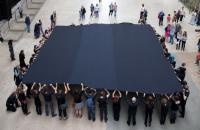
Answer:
(99, 64)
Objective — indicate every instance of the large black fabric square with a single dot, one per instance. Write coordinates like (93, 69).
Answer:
(123, 56)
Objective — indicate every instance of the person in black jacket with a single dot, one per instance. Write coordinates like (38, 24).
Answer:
(181, 71)
(10, 45)
(175, 102)
(164, 107)
(183, 98)
(116, 98)
(12, 102)
(132, 106)
(23, 100)
(22, 59)
(149, 106)
(61, 101)
(103, 101)
(35, 90)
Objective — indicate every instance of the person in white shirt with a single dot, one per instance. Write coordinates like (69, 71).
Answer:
(115, 9)
(142, 11)
(96, 11)
(182, 14)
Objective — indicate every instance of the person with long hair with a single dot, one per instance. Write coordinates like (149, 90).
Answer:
(116, 99)
(184, 39)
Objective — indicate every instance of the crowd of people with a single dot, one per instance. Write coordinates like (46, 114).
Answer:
(90, 97)
(94, 11)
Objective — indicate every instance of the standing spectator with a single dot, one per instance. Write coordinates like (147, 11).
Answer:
(161, 17)
(35, 90)
(10, 46)
(174, 17)
(23, 100)
(91, 10)
(41, 28)
(132, 107)
(149, 106)
(167, 32)
(115, 9)
(197, 58)
(193, 18)
(168, 18)
(198, 45)
(78, 101)
(22, 59)
(145, 15)
(47, 92)
(182, 14)
(1, 37)
(178, 14)
(53, 20)
(82, 13)
(179, 40)
(96, 11)
(61, 101)
(184, 39)
(28, 23)
(116, 98)
(183, 98)
(90, 94)
(164, 108)
(103, 101)
(111, 9)
(142, 11)
(172, 32)
(198, 18)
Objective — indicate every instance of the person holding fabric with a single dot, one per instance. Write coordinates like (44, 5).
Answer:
(35, 90)
(164, 107)
(22, 98)
(78, 101)
(61, 101)
(22, 59)
(149, 106)
(47, 92)
(90, 94)
(183, 98)
(103, 101)
(116, 99)
(175, 102)
(132, 106)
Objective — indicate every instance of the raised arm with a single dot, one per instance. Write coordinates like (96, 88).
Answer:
(40, 87)
(32, 86)
(65, 88)
(108, 94)
(55, 88)
(82, 87)
(120, 94)
(68, 87)
(113, 94)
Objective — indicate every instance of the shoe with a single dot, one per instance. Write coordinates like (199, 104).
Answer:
(65, 118)
(60, 117)
(149, 124)
(93, 120)
(128, 123)
(27, 113)
(145, 124)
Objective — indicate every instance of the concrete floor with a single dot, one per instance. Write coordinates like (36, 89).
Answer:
(128, 11)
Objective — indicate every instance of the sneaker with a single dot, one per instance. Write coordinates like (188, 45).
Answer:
(54, 115)
(60, 118)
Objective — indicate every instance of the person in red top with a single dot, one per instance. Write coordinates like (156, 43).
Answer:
(198, 58)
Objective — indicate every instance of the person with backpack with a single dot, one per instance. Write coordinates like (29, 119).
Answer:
(116, 99)
(103, 101)
(90, 94)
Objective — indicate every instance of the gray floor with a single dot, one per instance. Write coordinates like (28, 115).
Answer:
(128, 11)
